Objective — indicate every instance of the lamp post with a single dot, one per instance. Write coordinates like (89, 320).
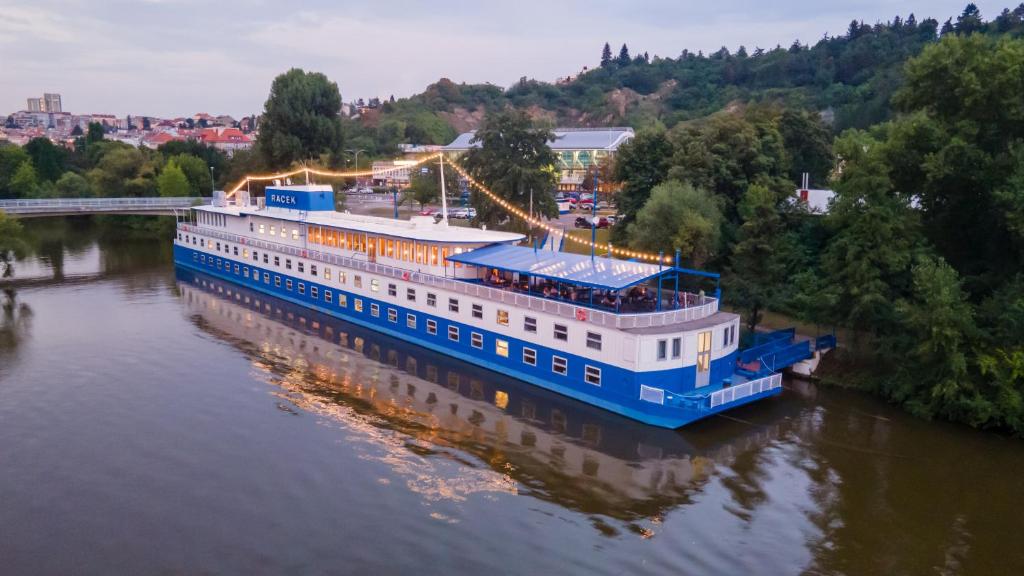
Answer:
(213, 185)
(356, 152)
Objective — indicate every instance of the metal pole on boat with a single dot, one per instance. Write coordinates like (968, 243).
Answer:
(593, 218)
(677, 278)
(661, 258)
(444, 195)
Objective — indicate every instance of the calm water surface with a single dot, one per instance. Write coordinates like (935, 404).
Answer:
(153, 421)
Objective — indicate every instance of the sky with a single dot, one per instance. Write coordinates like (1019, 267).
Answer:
(171, 58)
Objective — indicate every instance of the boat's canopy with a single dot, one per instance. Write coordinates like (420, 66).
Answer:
(307, 198)
(578, 269)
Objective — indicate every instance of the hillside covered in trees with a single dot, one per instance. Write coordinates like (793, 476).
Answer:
(849, 79)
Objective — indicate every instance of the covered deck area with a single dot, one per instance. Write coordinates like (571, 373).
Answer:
(621, 286)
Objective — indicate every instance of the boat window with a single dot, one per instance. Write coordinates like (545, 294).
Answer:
(662, 349)
(287, 284)
(410, 321)
(327, 273)
(410, 294)
(431, 299)
(342, 300)
(477, 340)
(358, 305)
(273, 231)
(295, 233)
(501, 348)
(328, 296)
(503, 317)
(431, 327)
(559, 365)
(277, 281)
(374, 310)
(392, 315)
(453, 305)
(288, 263)
(301, 266)
(530, 324)
(453, 333)
(593, 340)
(312, 269)
(561, 332)
(263, 229)
(313, 292)
(592, 375)
(392, 290)
(478, 311)
(677, 347)
(358, 281)
(529, 356)
(277, 260)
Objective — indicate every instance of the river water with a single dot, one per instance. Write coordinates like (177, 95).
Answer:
(153, 421)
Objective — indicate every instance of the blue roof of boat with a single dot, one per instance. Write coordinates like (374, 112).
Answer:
(608, 273)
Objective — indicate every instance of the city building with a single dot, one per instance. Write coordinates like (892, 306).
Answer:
(392, 172)
(48, 103)
(577, 149)
(226, 139)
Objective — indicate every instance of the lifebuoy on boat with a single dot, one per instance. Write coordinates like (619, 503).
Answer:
(581, 314)
(405, 275)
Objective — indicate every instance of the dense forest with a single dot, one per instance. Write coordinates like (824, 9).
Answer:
(918, 127)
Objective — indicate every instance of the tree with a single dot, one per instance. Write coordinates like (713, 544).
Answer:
(172, 181)
(757, 271)
(623, 59)
(425, 187)
(808, 144)
(71, 185)
(48, 160)
(606, 56)
(24, 183)
(969, 21)
(678, 217)
(11, 157)
(640, 164)
(77, 131)
(876, 241)
(95, 133)
(300, 118)
(512, 158)
(11, 244)
(196, 171)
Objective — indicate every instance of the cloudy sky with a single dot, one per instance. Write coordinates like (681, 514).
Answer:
(178, 57)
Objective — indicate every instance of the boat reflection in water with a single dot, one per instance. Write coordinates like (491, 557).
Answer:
(530, 440)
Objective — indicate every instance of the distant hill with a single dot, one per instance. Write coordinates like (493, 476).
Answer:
(849, 79)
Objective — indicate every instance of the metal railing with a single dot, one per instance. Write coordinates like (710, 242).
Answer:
(517, 299)
(741, 391)
(96, 204)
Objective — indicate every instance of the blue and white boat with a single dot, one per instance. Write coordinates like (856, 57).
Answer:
(617, 334)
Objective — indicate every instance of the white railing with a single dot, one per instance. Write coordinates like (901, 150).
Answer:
(741, 391)
(517, 299)
(96, 204)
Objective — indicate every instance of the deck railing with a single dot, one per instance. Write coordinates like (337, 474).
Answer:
(741, 391)
(707, 307)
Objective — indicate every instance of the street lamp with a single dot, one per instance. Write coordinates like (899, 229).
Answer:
(356, 152)
(213, 187)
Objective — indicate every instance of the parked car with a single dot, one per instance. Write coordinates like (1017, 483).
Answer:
(463, 213)
(581, 222)
(602, 205)
(585, 205)
(586, 196)
(428, 212)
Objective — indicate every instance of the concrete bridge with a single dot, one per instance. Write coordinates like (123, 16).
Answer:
(38, 208)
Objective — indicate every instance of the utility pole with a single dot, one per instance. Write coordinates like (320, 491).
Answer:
(593, 220)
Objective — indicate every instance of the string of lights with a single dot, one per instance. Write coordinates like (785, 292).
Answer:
(543, 225)
(613, 250)
(326, 173)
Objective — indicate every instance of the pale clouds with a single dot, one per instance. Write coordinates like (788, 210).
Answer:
(175, 57)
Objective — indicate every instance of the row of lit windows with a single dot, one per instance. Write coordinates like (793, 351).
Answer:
(560, 332)
(382, 247)
(274, 230)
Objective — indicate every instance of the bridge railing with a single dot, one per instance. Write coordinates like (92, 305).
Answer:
(707, 307)
(24, 206)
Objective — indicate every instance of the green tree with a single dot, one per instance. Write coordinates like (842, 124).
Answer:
(24, 183)
(606, 56)
(172, 181)
(640, 164)
(71, 185)
(48, 160)
(300, 118)
(757, 270)
(808, 143)
(623, 59)
(866, 265)
(933, 347)
(678, 217)
(11, 157)
(11, 244)
(512, 157)
(425, 188)
(196, 171)
(95, 133)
